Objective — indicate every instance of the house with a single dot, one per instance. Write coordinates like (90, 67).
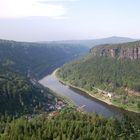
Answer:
(51, 107)
(42, 91)
(109, 95)
(59, 105)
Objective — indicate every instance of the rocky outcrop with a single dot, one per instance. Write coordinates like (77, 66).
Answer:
(120, 51)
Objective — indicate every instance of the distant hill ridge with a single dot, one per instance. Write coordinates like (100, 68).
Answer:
(93, 42)
(129, 50)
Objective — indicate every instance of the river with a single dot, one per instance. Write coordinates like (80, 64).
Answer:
(79, 98)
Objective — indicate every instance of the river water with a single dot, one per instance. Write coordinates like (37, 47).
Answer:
(79, 98)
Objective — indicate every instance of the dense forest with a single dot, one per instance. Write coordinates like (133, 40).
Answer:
(37, 58)
(120, 77)
(25, 112)
(21, 64)
(19, 96)
(69, 124)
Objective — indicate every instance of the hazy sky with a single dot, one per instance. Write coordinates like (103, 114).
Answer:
(43, 20)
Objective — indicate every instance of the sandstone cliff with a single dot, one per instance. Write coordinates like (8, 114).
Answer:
(119, 51)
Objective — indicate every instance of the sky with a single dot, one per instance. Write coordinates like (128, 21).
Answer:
(49, 20)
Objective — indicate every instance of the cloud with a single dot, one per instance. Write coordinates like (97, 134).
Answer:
(27, 8)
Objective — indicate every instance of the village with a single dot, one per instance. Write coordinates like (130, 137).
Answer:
(49, 108)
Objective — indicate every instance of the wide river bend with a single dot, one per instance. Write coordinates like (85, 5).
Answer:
(80, 98)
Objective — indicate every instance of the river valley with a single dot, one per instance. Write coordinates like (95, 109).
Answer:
(80, 98)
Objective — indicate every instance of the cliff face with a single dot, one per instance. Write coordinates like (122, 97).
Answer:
(119, 51)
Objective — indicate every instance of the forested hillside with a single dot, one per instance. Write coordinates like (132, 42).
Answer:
(36, 58)
(118, 77)
(18, 96)
(69, 124)
(28, 111)
(21, 64)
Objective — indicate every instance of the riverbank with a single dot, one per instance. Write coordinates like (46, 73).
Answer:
(99, 97)
(67, 101)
